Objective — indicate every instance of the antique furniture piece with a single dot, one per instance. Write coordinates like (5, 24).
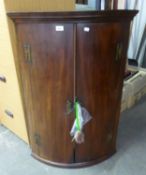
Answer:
(64, 55)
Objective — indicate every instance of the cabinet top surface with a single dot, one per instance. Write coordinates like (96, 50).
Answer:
(108, 15)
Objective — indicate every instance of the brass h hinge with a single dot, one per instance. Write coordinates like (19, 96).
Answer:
(27, 52)
(119, 50)
(37, 139)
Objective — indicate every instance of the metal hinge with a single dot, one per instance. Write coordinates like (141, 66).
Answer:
(37, 139)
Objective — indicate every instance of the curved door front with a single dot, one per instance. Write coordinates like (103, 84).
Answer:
(46, 65)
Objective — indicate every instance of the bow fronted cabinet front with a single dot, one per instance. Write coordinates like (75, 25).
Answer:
(64, 56)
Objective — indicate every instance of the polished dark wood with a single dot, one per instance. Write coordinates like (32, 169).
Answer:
(48, 83)
(99, 84)
(75, 164)
(83, 16)
(55, 67)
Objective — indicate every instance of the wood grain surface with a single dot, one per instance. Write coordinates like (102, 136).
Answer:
(67, 55)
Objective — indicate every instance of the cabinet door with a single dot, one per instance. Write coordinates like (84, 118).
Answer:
(46, 68)
(100, 62)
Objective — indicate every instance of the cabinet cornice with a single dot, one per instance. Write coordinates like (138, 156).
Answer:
(97, 16)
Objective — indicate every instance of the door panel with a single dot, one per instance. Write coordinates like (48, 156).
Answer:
(47, 84)
(99, 66)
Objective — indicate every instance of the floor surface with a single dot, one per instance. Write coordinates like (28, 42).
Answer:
(130, 158)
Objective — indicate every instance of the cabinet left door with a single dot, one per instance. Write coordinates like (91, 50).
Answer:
(46, 68)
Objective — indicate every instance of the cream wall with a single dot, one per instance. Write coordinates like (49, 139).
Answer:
(39, 5)
(10, 97)
(9, 91)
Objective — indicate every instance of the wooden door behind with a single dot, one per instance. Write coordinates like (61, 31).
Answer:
(47, 84)
(99, 84)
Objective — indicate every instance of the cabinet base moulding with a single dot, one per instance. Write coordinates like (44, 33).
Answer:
(74, 165)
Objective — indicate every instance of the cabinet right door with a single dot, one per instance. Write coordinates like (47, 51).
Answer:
(100, 63)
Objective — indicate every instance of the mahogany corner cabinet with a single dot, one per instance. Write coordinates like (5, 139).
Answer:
(64, 55)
